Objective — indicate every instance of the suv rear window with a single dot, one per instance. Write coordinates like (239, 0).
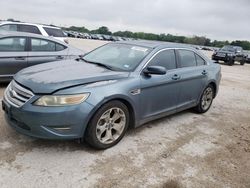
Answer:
(54, 32)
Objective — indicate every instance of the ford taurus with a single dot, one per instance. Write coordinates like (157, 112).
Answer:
(116, 86)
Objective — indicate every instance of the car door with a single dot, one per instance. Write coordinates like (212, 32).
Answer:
(193, 77)
(159, 92)
(44, 51)
(13, 55)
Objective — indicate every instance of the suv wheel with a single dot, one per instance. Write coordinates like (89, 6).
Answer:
(231, 62)
(242, 62)
(206, 100)
(108, 125)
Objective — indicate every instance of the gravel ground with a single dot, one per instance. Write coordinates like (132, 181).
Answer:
(182, 150)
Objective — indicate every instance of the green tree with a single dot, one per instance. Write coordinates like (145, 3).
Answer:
(102, 30)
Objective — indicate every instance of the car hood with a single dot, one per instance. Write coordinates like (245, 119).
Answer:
(50, 77)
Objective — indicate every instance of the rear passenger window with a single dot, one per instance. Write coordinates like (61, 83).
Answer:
(14, 44)
(59, 47)
(41, 45)
(165, 59)
(29, 29)
(187, 58)
(199, 60)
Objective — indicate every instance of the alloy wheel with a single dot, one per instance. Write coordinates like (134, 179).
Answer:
(110, 125)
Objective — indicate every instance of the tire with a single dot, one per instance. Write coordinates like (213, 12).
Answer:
(104, 131)
(231, 62)
(242, 62)
(203, 106)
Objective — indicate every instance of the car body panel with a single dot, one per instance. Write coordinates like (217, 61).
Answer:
(50, 77)
(12, 62)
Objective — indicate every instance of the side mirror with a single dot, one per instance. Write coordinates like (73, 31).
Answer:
(158, 70)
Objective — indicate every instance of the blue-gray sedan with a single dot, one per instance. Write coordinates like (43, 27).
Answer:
(116, 86)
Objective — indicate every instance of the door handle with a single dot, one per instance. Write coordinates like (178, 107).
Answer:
(20, 58)
(176, 77)
(204, 72)
(59, 57)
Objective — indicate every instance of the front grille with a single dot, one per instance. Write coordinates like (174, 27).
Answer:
(221, 55)
(17, 95)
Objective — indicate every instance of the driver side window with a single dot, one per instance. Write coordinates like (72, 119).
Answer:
(165, 59)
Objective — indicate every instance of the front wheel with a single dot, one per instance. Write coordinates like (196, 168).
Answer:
(231, 62)
(108, 125)
(206, 100)
(242, 62)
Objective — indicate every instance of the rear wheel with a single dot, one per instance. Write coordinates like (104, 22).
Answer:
(108, 125)
(206, 100)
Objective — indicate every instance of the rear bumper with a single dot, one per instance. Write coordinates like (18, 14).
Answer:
(48, 123)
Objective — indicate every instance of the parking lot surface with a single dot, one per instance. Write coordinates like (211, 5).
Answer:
(182, 150)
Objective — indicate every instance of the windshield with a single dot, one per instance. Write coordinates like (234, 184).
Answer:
(228, 48)
(123, 57)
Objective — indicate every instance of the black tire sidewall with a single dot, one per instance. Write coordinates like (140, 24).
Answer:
(199, 108)
(90, 133)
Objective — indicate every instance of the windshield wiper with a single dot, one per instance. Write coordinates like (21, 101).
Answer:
(99, 64)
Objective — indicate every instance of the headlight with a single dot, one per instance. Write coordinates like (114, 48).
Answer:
(61, 100)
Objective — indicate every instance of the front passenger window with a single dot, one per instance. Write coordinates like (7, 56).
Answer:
(165, 59)
(14, 44)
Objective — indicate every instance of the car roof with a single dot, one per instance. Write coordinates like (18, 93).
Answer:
(25, 34)
(24, 23)
(156, 44)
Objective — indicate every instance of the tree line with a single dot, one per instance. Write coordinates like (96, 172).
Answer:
(196, 40)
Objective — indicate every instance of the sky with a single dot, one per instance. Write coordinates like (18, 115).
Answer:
(215, 19)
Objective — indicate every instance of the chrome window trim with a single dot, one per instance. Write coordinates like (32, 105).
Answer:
(6, 75)
(164, 49)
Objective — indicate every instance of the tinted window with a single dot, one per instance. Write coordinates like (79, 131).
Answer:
(9, 27)
(42, 45)
(12, 44)
(199, 60)
(60, 47)
(54, 32)
(29, 29)
(187, 58)
(165, 59)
